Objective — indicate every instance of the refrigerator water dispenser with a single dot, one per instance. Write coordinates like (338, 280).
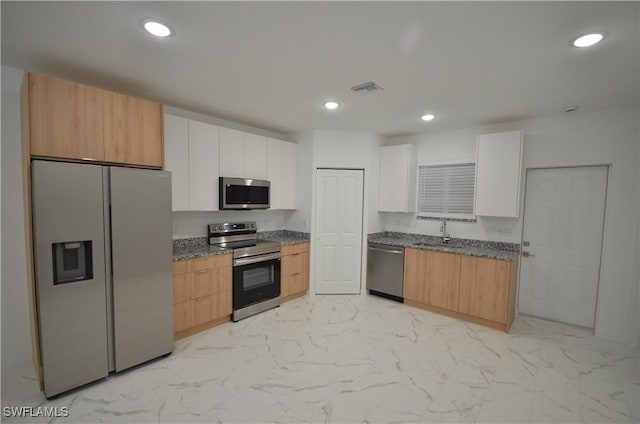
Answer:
(72, 261)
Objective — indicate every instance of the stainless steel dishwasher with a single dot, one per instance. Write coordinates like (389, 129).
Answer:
(385, 271)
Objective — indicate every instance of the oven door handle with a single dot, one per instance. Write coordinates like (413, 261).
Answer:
(256, 259)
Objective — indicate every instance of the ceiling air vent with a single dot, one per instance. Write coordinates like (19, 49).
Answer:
(366, 88)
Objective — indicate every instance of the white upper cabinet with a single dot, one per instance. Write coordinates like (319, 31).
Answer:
(274, 172)
(203, 166)
(498, 169)
(281, 172)
(289, 166)
(242, 155)
(191, 154)
(176, 160)
(231, 153)
(397, 178)
(255, 159)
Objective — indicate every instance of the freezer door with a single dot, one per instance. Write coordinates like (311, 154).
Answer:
(68, 236)
(141, 254)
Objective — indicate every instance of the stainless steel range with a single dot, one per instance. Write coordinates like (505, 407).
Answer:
(256, 267)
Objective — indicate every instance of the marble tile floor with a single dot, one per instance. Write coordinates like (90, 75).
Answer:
(352, 359)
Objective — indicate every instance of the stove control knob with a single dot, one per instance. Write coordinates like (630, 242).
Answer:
(253, 225)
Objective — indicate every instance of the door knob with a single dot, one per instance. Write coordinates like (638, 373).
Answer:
(527, 254)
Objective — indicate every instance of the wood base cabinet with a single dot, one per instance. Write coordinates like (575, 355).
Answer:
(488, 288)
(201, 294)
(294, 271)
(475, 289)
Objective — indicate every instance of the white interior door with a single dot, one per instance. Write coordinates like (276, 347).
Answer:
(338, 253)
(563, 224)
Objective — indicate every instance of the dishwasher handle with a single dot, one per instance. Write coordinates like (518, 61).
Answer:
(393, 251)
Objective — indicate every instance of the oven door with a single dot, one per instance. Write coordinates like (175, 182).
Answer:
(255, 279)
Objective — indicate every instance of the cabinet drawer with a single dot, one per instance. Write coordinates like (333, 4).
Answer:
(299, 262)
(180, 267)
(202, 282)
(221, 279)
(222, 260)
(195, 265)
(221, 304)
(293, 249)
(183, 316)
(202, 310)
(182, 288)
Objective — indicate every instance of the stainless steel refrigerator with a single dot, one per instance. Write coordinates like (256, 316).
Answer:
(102, 250)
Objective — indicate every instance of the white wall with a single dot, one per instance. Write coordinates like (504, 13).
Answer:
(580, 138)
(222, 122)
(343, 149)
(606, 137)
(18, 374)
(194, 224)
(443, 147)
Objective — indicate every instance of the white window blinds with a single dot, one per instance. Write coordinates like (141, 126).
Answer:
(446, 190)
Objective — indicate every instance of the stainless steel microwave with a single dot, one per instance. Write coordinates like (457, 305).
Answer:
(243, 193)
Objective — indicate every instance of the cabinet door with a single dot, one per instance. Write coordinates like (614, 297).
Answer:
(289, 169)
(132, 130)
(274, 172)
(444, 280)
(484, 288)
(176, 147)
(65, 119)
(498, 165)
(255, 150)
(203, 166)
(415, 275)
(231, 153)
(397, 178)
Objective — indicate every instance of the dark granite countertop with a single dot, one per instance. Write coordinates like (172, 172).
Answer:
(194, 248)
(197, 247)
(285, 237)
(466, 247)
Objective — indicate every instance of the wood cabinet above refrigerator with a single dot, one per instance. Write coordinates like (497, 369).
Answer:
(71, 121)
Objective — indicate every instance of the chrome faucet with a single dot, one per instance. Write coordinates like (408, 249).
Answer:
(445, 235)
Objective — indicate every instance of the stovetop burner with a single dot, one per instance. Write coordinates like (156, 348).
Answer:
(242, 238)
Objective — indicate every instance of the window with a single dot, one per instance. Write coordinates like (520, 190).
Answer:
(446, 191)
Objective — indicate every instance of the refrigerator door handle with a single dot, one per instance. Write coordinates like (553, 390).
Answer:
(108, 269)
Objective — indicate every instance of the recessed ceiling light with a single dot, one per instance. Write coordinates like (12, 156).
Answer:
(157, 29)
(588, 40)
(428, 117)
(331, 105)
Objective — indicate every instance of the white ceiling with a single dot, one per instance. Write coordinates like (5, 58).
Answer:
(272, 65)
